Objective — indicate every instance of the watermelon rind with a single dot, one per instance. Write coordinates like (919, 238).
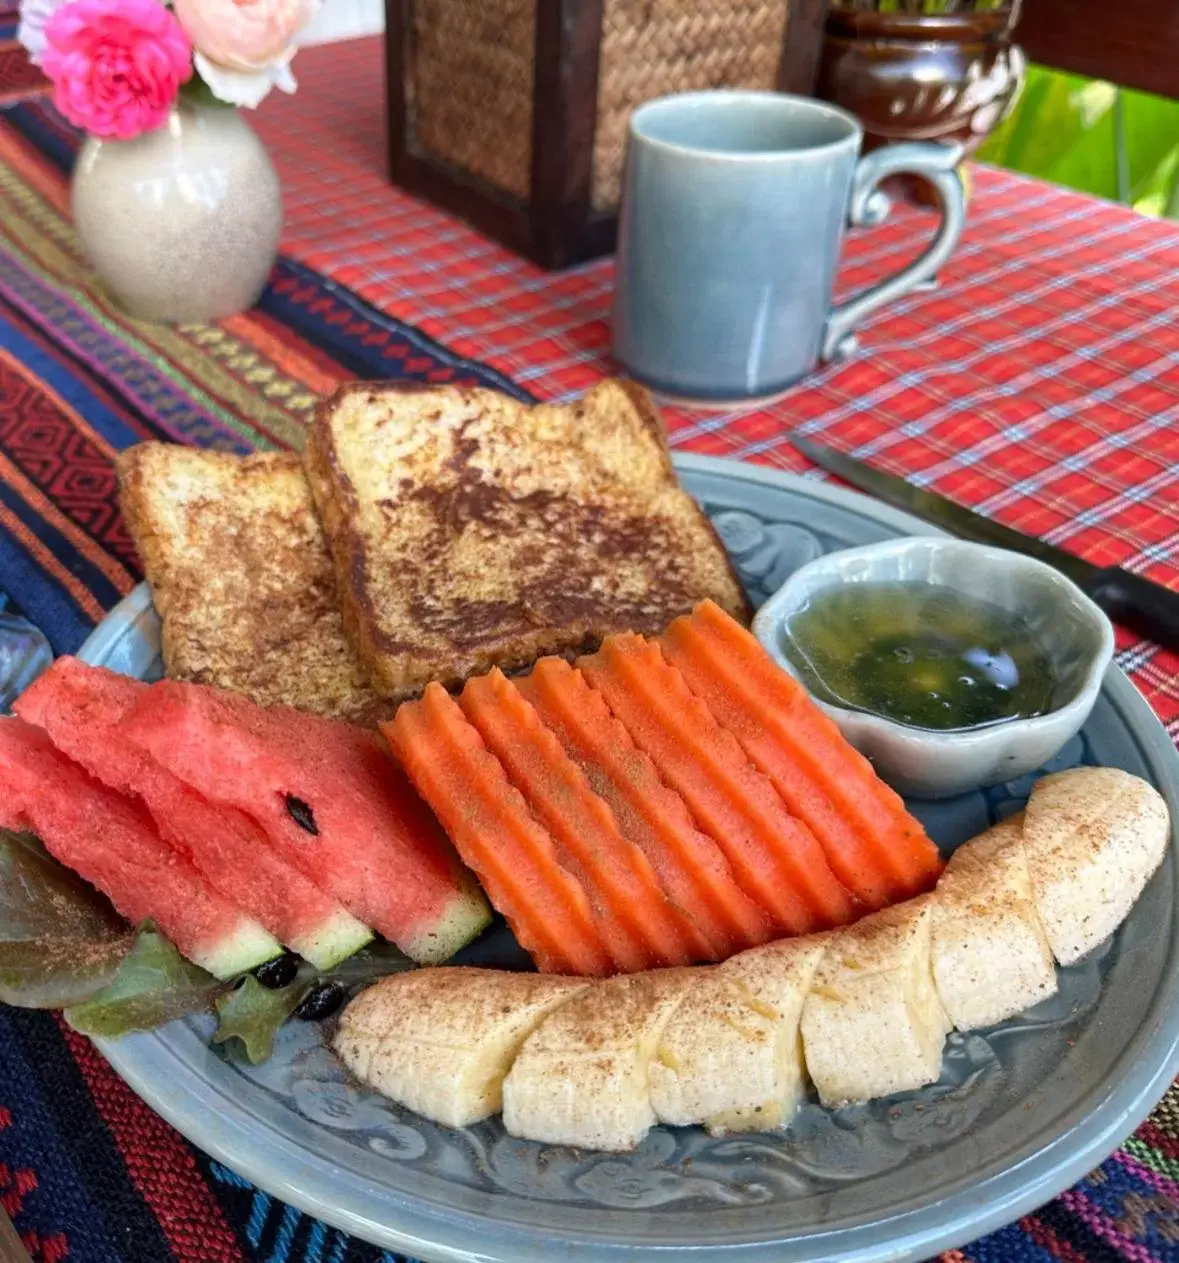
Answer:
(246, 948)
(465, 916)
(81, 708)
(332, 941)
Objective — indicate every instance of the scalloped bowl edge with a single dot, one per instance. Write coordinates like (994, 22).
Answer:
(923, 763)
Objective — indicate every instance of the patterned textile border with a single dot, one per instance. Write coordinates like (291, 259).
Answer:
(87, 1172)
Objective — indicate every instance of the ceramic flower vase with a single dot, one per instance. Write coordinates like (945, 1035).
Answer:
(182, 223)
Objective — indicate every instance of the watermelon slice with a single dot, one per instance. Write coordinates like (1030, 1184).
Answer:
(111, 841)
(332, 801)
(81, 707)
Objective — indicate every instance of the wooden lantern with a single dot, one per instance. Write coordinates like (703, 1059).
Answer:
(513, 113)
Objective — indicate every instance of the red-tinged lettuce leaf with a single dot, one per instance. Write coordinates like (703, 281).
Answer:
(61, 941)
(253, 1013)
(154, 984)
(63, 946)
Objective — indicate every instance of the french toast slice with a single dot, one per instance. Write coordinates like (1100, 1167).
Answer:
(241, 577)
(469, 530)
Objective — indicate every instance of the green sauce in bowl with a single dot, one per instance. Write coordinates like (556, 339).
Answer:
(919, 654)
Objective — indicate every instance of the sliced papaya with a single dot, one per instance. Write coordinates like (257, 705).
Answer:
(805, 754)
(690, 866)
(638, 926)
(776, 858)
(735, 706)
(497, 835)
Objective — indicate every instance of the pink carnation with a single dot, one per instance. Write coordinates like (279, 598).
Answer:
(116, 65)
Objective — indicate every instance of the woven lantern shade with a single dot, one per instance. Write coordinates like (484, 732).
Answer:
(649, 50)
(514, 112)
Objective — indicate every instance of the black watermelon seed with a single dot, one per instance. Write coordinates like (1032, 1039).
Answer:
(302, 814)
(279, 972)
(320, 1002)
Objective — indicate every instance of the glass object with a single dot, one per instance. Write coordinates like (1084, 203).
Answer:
(24, 654)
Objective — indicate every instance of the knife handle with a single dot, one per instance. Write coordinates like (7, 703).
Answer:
(1141, 605)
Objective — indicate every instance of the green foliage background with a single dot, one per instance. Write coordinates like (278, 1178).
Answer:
(1095, 137)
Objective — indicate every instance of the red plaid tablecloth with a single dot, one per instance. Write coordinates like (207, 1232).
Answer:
(1039, 383)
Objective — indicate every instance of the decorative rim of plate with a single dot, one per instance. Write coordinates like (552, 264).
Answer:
(1085, 1133)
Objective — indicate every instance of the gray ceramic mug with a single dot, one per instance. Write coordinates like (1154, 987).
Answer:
(733, 214)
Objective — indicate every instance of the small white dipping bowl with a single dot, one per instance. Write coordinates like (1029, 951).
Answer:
(924, 763)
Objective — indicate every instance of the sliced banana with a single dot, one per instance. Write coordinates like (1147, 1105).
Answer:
(872, 1024)
(864, 1010)
(581, 1078)
(1093, 837)
(991, 957)
(731, 1055)
(440, 1041)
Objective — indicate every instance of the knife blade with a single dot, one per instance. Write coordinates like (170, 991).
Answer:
(1145, 607)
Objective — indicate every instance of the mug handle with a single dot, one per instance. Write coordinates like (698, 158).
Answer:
(869, 207)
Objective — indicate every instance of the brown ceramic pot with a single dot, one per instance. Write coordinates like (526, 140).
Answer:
(922, 76)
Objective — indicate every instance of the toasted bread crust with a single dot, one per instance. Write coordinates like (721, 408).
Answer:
(644, 406)
(241, 578)
(468, 530)
(337, 503)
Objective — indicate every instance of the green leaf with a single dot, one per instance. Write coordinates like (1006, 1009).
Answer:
(253, 1013)
(154, 984)
(1151, 126)
(197, 92)
(1094, 137)
(60, 939)
(62, 945)
(1062, 129)
(370, 963)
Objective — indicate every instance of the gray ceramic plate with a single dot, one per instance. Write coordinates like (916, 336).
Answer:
(1019, 1114)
